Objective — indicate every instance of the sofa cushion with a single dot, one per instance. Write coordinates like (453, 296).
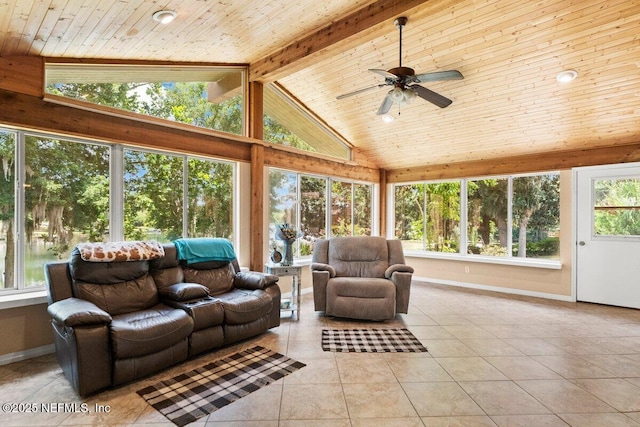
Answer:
(105, 272)
(362, 256)
(218, 280)
(244, 306)
(358, 287)
(120, 298)
(167, 276)
(148, 331)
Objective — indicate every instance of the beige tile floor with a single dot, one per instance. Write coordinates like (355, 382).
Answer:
(494, 360)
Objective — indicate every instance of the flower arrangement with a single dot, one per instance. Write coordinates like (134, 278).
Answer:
(286, 232)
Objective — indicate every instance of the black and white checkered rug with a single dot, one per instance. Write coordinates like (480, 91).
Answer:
(189, 396)
(371, 341)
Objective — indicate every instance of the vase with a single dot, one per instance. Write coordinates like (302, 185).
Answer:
(288, 252)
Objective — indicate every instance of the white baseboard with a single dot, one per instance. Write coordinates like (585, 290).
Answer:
(30, 353)
(567, 298)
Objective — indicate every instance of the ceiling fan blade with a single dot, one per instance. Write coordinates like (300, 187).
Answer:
(383, 73)
(359, 91)
(431, 96)
(387, 102)
(438, 76)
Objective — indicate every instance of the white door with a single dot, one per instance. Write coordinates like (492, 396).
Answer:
(608, 235)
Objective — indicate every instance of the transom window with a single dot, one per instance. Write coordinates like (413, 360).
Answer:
(207, 97)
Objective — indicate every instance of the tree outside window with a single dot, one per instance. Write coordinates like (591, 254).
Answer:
(66, 195)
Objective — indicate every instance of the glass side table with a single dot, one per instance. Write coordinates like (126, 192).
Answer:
(295, 271)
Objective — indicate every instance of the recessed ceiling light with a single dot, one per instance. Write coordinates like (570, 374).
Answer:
(164, 16)
(566, 76)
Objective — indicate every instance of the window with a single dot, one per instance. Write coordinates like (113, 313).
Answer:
(314, 205)
(341, 208)
(156, 200)
(210, 198)
(7, 209)
(67, 195)
(428, 216)
(617, 207)
(208, 97)
(153, 196)
(487, 227)
(505, 217)
(313, 211)
(286, 122)
(66, 200)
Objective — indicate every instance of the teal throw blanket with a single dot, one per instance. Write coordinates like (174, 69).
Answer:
(204, 249)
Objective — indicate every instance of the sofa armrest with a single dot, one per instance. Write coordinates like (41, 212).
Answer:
(252, 280)
(184, 292)
(320, 279)
(400, 268)
(73, 312)
(318, 266)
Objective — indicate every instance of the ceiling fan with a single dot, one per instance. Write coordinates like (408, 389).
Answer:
(404, 81)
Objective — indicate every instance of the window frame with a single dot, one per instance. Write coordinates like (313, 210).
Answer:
(462, 254)
(269, 239)
(22, 295)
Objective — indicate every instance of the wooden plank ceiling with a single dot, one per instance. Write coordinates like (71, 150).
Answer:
(509, 103)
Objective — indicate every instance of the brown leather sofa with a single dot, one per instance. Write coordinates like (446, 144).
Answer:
(360, 277)
(115, 322)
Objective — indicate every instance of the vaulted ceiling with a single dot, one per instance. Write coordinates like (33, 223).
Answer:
(509, 52)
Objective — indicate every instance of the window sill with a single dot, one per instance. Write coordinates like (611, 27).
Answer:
(513, 261)
(23, 299)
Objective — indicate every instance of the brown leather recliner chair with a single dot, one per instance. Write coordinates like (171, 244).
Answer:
(360, 277)
(118, 321)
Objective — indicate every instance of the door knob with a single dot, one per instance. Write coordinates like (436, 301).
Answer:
(581, 243)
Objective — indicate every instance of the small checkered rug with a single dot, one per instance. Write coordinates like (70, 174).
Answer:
(371, 341)
(189, 396)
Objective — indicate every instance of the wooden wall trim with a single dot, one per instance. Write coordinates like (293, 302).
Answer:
(284, 159)
(256, 232)
(256, 110)
(32, 112)
(538, 162)
(383, 203)
(22, 74)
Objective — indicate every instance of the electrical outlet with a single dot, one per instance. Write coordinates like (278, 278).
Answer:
(466, 268)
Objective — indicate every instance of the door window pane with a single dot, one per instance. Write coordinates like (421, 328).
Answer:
(616, 210)
(536, 216)
(153, 192)
(66, 200)
(487, 217)
(7, 210)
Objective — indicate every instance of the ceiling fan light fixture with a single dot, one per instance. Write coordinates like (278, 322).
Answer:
(164, 16)
(567, 76)
(387, 118)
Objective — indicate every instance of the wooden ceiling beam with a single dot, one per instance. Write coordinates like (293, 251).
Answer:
(527, 163)
(367, 23)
